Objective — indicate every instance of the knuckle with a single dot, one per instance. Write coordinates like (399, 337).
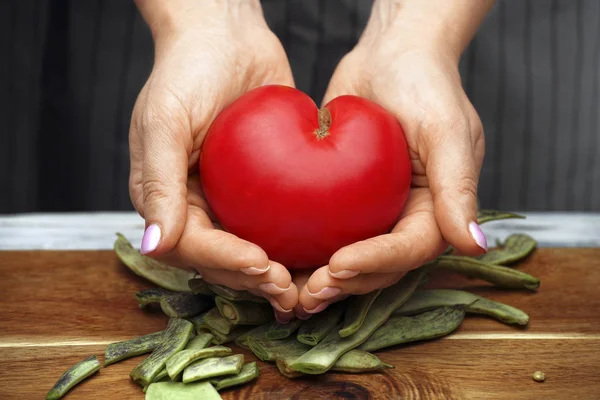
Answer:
(154, 191)
(467, 186)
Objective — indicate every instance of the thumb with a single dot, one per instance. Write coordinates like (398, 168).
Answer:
(453, 174)
(164, 180)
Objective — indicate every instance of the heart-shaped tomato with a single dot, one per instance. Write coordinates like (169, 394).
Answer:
(302, 183)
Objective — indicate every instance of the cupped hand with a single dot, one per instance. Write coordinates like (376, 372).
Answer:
(205, 61)
(419, 83)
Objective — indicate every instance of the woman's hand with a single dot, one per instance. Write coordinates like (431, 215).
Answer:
(403, 65)
(207, 54)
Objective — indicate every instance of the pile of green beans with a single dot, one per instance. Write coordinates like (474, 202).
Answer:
(188, 358)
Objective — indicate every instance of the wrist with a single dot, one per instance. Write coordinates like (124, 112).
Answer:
(438, 25)
(168, 18)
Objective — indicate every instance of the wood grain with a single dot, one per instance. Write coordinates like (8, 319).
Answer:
(58, 307)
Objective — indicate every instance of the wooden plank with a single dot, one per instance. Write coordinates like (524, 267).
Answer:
(58, 307)
(442, 369)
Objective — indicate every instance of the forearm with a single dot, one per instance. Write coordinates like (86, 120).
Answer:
(451, 23)
(166, 17)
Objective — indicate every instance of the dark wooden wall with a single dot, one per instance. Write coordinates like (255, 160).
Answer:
(70, 72)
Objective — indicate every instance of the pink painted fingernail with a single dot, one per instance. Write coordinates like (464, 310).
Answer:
(326, 293)
(478, 235)
(344, 274)
(255, 271)
(318, 308)
(151, 239)
(272, 288)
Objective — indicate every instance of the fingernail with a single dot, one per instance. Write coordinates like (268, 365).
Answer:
(283, 319)
(478, 235)
(344, 274)
(151, 239)
(272, 288)
(326, 293)
(255, 271)
(303, 315)
(318, 308)
(277, 306)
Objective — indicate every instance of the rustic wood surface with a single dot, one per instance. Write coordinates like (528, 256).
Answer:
(59, 307)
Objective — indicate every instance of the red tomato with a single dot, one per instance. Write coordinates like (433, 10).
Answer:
(301, 183)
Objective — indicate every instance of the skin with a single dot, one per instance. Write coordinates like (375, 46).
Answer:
(406, 60)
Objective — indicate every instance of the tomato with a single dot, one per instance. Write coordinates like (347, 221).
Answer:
(303, 183)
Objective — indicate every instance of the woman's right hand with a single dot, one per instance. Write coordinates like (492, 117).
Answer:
(207, 54)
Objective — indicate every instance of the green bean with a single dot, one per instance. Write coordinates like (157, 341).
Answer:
(322, 357)
(258, 331)
(248, 373)
(162, 375)
(181, 360)
(73, 376)
(212, 367)
(500, 276)
(270, 350)
(199, 323)
(182, 391)
(281, 331)
(428, 325)
(285, 370)
(515, 248)
(217, 322)
(319, 325)
(200, 286)
(151, 296)
(235, 295)
(425, 300)
(177, 335)
(202, 340)
(116, 352)
(357, 310)
(244, 313)
(160, 274)
(484, 216)
(358, 361)
(219, 338)
(183, 305)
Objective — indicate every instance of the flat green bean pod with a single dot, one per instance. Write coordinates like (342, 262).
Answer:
(244, 313)
(200, 341)
(248, 373)
(235, 295)
(219, 338)
(484, 216)
(212, 367)
(179, 361)
(116, 352)
(258, 331)
(358, 361)
(428, 325)
(319, 325)
(160, 274)
(182, 391)
(322, 357)
(151, 296)
(200, 286)
(217, 322)
(199, 323)
(177, 335)
(74, 375)
(358, 307)
(425, 300)
(281, 331)
(500, 276)
(514, 249)
(183, 305)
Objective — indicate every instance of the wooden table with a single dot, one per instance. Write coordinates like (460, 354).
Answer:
(58, 307)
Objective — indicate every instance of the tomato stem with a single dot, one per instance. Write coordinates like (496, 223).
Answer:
(324, 124)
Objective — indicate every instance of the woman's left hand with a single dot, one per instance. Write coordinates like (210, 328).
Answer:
(417, 80)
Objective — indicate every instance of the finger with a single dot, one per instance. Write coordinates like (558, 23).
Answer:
(300, 278)
(415, 240)
(322, 289)
(453, 173)
(164, 174)
(203, 246)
